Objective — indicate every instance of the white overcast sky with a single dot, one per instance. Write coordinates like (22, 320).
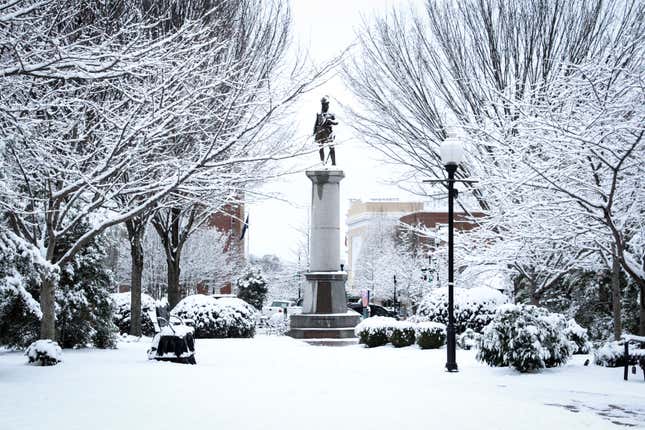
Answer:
(325, 28)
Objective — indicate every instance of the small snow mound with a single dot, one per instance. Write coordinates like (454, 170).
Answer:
(44, 352)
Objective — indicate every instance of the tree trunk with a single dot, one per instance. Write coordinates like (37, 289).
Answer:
(616, 296)
(48, 308)
(641, 314)
(174, 294)
(136, 254)
(535, 300)
(533, 296)
(169, 233)
(172, 258)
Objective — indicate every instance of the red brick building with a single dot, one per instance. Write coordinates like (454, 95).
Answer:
(229, 220)
(432, 220)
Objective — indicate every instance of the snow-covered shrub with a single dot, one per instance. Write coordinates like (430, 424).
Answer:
(579, 336)
(217, 318)
(374, 331)
(252, 288)
(401, 334)
(525, 337)
(474, 308)
(83, 308)
(610, 354)
(468, 339)
(122, 303)
(430, 335)
(21, 268)
(415, 319)
(44, 353)
(278, 324)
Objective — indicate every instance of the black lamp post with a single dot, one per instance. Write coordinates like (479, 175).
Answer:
(452, 154)
(396, 302)
(451, 363)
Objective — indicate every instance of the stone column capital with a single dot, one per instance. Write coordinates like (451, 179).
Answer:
(323, 176)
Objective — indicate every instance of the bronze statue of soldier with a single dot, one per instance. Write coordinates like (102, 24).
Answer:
(323, 132)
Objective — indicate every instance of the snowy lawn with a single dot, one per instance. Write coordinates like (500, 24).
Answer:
(280, 383)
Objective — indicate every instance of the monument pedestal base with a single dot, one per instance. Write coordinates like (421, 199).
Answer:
(325, 314)
(324, 326)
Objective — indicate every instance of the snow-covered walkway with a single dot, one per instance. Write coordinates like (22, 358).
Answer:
(279, 383)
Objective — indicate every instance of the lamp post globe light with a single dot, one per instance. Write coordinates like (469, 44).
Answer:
(452, 153)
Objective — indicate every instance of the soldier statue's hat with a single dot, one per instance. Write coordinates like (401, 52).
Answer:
(324, 100)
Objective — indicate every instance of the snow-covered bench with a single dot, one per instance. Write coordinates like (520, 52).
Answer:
(635, 355)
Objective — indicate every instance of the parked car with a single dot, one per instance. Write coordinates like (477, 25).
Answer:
(374, 310)
(282, 307)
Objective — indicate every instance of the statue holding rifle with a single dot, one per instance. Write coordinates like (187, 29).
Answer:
(323, 131)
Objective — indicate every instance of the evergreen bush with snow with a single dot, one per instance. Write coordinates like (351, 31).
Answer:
(217, 318)
(468, 339)
(430, 335)
(402, 334)
(44, 353)
(525, 337)
(474, 308)
(122, 303)
(579, 336)
(610, 354)
(21, 267)
(374, 331)
(252, 288)
(83, 308)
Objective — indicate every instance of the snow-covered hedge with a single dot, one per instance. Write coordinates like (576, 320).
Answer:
(468, 339)
(44, 353)
(579, 336)
(121, 317)
(374, 331)
(401, 334)
(430, 335)
(611, 354)
(525, 337)
(217, 318)
(474, 308)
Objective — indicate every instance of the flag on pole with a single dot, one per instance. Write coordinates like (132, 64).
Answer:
(245, 227)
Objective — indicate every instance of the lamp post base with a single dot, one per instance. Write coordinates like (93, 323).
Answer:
(451, 363)
(451, 367)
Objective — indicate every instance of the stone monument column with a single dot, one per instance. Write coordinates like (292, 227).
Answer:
(325, 314)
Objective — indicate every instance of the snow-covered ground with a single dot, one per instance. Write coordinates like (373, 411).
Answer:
(280, 383)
